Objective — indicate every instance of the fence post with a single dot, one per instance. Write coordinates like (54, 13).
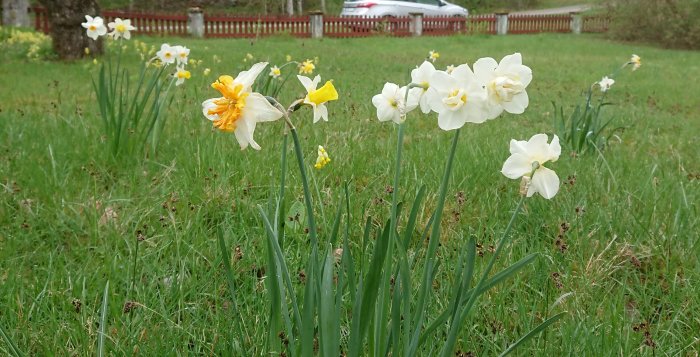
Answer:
(15, 13)
(501, 23)
(195, 21)
(576, 22)
(416, 24)
(316, 24)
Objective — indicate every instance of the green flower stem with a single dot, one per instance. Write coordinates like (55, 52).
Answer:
(432, 246)
(456, 326)
(307, 191)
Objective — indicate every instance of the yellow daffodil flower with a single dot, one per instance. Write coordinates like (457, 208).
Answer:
(322, 159)
(317, 98)
(307, 67)
(181, 75)
(433, 56)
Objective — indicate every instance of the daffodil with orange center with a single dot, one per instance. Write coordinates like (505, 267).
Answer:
(239, 109)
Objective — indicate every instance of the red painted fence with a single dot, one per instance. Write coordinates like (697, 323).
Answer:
(518, 24)
(335, 26)
(255, 26)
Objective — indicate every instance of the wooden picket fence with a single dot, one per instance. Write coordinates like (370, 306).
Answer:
(148, 23)
(336, 26)
(520, 24)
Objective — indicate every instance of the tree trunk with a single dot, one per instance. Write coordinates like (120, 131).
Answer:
(15, 13)
(290, 7)
(300, 10)
(69, 37)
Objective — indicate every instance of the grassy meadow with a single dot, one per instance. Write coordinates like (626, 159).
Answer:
(618, 246)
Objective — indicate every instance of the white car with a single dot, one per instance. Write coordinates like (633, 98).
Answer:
(393, 8)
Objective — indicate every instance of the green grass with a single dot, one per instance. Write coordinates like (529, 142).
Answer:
(631, 252)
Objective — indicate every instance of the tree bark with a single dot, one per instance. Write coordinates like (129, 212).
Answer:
(290, 7)
(69, 37)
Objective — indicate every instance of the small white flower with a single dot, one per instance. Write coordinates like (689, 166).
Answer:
(530, 155)
(449, 69)
(457, 98)
(275, 72)
(95, 26)
(421, 76)
(606, 83)
(181, 75)
(317, 98)
(121, 28)
(166, 53)
(505, 84)
(391, 103)
(433, 55)
(636, 62)
(181, 54)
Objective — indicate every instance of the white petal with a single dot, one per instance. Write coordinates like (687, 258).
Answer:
(306, 82)
(442, 82)
(385, 112)
(422, 73)
(390, 90)
(518, 147)
(316, 81)
(525, 74)
(208, 105)
(424, 101)
(434, 101)
(450, 120)
(516, 166)
(537, 148)
(247, 78)
(244, 134)
(518, 104)
(510, 60)
(320, 112)
(545, 182)
(261, 109)
(412, 101)
(127, 35)
(484, 69)
(463, 74)
(554, 149)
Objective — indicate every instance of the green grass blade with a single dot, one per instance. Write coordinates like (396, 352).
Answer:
(532, 333)
(13, 347)
(307, 318)
(103, 322)
(329, 329)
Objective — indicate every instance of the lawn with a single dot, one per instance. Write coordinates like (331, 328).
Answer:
(625, 268)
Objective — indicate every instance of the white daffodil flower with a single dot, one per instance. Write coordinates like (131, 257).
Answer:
(275, 72)
(181, 75)
(95, 26)
(391, 103)
(121, 28)
(317, 98)
(421, 76)
(181, 54)
(457, 98)
(505, 83)
(606, 83)
(433, 55)
(530, 155)
(166, 54)
(239, 110)
(636, 62)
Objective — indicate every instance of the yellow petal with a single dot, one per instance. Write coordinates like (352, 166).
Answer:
(323, 94)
